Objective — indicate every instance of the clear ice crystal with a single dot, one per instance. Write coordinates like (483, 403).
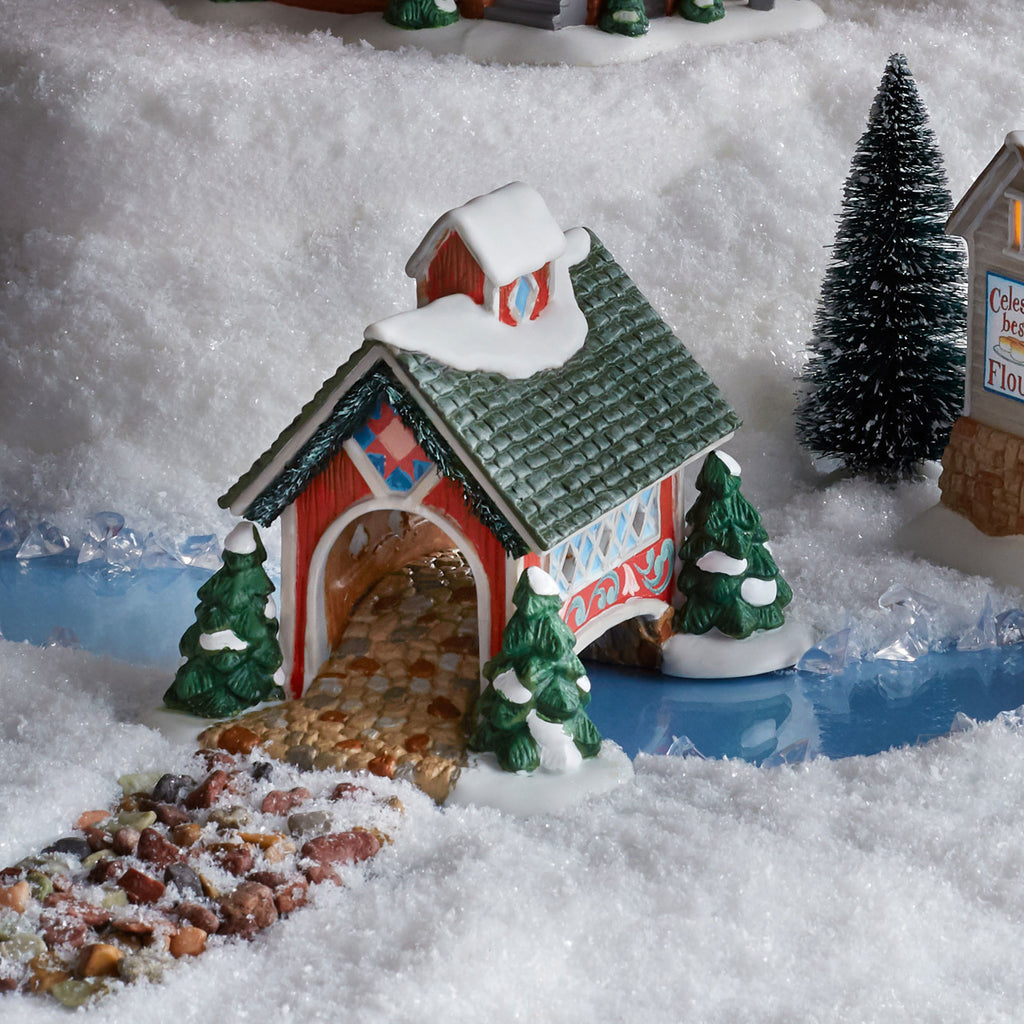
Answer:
(108, 544)
(683, 746)
(44, 541)
(10, 539)
(983, 635)
(201, 552)
(829, 656)
(159, 554)
(1010, 627)
(962, 723)
(796, 753)
(915, 624)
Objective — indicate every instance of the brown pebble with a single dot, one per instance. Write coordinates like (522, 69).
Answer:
(291, 896)
(15, 897)
(442, 707)
(141, 888)
(63, 931)
(318, 874)
(187, 834)
(422, 669)
(98, 839)
(133, 802)
(347, 790)
(188, 941)
(206, 793)
(98, 960)
(216, 759)
(247, 910)
(367, 666)
(280, 801)
(383, 765)
(46, 972)
(156, 849)
(89, 913)
(353, 745)
(11, 875)
(198, 916)
(342, 847)
(8, 983)
(264, 840)
(90, 818)
(238, 740)
(126, 840)
(418, 743)
(170, 814)
(333, 715)
(236, 859)
(133, 926)
(104, 870)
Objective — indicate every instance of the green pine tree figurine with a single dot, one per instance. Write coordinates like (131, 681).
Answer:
(231, 650)
(532, 713)
(884, 381)
(624, 18)
(729, 578)
(413, 14)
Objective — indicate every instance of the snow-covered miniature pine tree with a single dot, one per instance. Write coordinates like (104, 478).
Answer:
(231, 652)
(729, 579)
(624, 18)
(884, 381)
(703, 11)
(532, 712)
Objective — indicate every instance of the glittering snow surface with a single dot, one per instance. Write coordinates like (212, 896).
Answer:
(196, 224)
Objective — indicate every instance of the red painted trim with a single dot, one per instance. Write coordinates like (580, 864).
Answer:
(543, 290)
(447, 497)
(326, 496)
(453, 271)
(543, 294)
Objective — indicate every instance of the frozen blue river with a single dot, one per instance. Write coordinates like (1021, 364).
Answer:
(789, 716)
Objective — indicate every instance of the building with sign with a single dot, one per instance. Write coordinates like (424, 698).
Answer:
(533, 410)
(983, 465)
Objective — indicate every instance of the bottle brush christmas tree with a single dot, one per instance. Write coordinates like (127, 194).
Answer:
(532, 712)
(884, 381)
(231, 652)
(729, 578)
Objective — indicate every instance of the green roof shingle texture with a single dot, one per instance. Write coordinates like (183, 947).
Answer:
(568, 444)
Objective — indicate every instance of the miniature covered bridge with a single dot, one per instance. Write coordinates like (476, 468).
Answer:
(575, 468)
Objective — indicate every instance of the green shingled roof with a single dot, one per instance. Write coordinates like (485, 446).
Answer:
(559, 448)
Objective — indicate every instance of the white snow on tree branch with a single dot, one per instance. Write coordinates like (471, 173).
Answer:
(558, 753)
(509, 232)
(508, 685)
(583, 682)
(759, 593)
(241, 540)
(541, 582)
(270, 609)
(457, 332)
(730, 463)
(222, 640)
(719, 561)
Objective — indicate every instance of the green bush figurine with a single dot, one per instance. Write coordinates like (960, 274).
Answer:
(232, 657)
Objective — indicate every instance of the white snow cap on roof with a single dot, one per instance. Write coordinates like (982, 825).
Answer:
(241, 540)
(509, 231)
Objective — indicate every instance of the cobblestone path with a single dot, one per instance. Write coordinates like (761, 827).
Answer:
(394, 696)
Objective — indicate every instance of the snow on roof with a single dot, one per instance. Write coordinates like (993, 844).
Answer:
(457, 332)
(987, 187)
(509, 232)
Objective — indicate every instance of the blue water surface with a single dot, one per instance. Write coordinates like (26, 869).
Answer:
(784, 717)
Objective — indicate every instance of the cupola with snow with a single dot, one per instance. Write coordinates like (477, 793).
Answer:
(533, 410)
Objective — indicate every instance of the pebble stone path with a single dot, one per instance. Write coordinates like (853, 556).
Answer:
(393, 699)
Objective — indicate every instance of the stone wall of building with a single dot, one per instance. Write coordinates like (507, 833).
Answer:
(983, 477)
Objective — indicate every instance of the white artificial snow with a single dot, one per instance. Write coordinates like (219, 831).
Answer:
(270, 609)
(583, 682)
(730, 463)
(758, 592)
(222, 640)
(461, 334)
(713, 655)
(194, 230)
(509, 232)
(241, 540)
(508, 684)
(541, 582)
(719, 561)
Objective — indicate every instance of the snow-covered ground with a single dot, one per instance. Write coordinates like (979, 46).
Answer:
(196, 223)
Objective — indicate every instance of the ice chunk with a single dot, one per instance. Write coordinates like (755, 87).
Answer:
(796, 753)
(829, 656)
(43, 541)
(108, 542)
(10, 539)
(159, 554)
(201, 552)
(683, 746)
(104, 525)
(1010, 627)
(915, 629)
(982, 636)
(906, 647)
(962, 723)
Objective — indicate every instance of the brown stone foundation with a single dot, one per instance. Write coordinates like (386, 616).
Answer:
(983, 477)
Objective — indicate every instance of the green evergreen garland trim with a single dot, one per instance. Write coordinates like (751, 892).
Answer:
(348, 415)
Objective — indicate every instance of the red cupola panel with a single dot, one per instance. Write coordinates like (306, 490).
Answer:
(452, 271)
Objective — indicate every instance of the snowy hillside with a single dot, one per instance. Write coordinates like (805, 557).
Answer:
(198, 220)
